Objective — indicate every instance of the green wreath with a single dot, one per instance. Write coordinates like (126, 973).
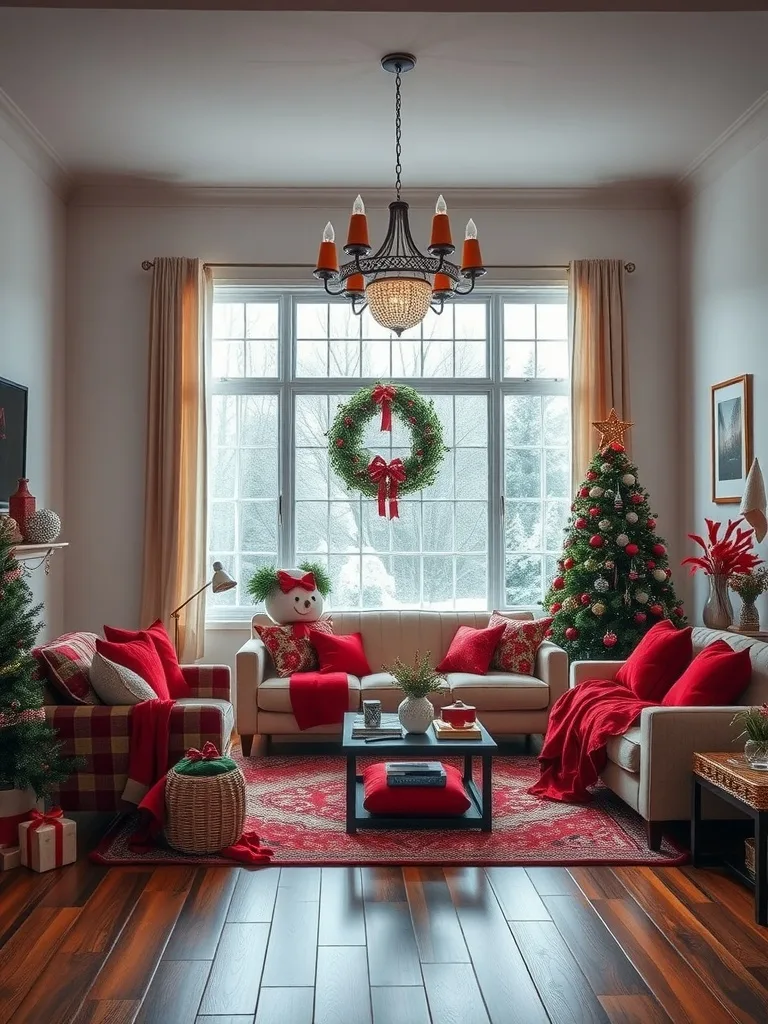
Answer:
(370, 474)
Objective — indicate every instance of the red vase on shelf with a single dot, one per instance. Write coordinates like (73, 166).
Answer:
(21, 504)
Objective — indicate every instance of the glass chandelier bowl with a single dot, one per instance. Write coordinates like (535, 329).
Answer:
(397, 303)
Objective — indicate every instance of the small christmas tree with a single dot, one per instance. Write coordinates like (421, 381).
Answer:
(29, 753)
(614, 580)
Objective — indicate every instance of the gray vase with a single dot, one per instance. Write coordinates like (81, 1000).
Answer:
(718, 611)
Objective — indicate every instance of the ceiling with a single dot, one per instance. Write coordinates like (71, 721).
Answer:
(239, 98)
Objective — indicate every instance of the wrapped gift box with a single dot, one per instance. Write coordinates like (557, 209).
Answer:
(48, 841)
(10, 857)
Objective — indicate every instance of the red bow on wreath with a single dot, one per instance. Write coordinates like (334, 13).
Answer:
(289, 583)
(387, 476)
(208, 753)
(382, 395)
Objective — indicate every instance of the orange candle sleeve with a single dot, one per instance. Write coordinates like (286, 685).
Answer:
(442, 283)
(441, 230)
(327, 258)
(355, 284)
(358, 230)
(470, 255)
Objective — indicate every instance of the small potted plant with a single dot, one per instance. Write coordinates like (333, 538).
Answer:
(416, 681)
(755, 722)
(749, 586)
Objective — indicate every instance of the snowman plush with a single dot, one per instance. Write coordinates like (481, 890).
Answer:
(292, 597)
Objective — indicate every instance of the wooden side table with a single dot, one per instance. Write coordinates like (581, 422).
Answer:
(727, 775)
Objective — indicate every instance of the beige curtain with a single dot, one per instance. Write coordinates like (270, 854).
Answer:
(599, 369)
(175, 499)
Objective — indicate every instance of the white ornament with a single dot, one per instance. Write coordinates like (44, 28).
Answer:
(622, 540)
(601, 585)
(660, 575)
(641, 597)
(42, 527)
(604, 524)
(302, 603)
(628, 479)
(596, 492)
(598, 608)
(606, 467)
(631, 517)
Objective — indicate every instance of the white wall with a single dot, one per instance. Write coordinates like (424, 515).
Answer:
(32, 270)
(107, 349)
(725, 263)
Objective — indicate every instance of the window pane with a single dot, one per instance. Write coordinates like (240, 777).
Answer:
(406, 358)
(311, 358)
(556, 516)
(311, 473)
(470, 359)
(261, 358)
(227, 359)
(311, 420)
(523, 525)
(228, 320)
(552, 359)
(376, 355)
(523, 579)
(438, 358)
(470, 319)
(557, 478)
(261, 320)
(311, 526)
(342, 322)
(552, 320)
(520, 359)
(258, 420)
(471, 472)
(522, 424)
(258, 526)
(406, 573)
(471, 582)
(344, 357)
(438, 582)
(519, 320)
(258, 473)
(439, 325)
(222, 526)
(312, 320)
(471, 421)
(222, 474)
(438, 526)
(523, 472)
(471, 526)
(557, 420)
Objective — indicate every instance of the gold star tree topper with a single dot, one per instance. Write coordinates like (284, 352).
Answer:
(612, 429)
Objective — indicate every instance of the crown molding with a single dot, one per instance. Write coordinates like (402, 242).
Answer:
(30, 146)
(747, 132)
(613, 197)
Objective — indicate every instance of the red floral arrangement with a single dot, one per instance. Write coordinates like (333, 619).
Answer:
(732, 554)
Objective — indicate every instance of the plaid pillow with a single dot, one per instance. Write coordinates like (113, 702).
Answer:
(516, 650)
(66, 662)
(291, 653)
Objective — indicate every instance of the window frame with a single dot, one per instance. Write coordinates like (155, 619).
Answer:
(494, 385)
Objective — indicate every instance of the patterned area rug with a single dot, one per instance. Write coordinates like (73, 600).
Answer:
(296, 804)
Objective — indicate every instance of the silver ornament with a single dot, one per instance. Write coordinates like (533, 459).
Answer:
(42, 527)
(601, 585)
(596, 492)
(631, 517)
(628, 479)
(622, 540)
(604, 524)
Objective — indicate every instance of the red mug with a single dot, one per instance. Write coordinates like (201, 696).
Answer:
(459, 714)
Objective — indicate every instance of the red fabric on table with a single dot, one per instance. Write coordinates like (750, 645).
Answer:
(716, 677)
(580, 724)
(319, 698)
(409, 801)
(658, 661)
(139, 655)
(340, 653)
(148, 748)
(471, 649)
(158, 634)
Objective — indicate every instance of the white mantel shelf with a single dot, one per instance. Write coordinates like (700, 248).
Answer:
(24, 552)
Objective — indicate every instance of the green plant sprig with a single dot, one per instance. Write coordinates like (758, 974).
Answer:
(418, 679)
(755, 722)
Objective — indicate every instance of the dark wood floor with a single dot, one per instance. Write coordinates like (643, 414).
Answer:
(178, 945)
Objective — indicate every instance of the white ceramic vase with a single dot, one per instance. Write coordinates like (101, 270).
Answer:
(415, 714)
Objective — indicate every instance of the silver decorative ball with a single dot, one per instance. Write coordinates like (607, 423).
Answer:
(42, 527)
(622, 540)
(604, 524)
(596, 492)
(606, 467)
(631, 517)
(628, 479)
(601, 585)
(659, 575)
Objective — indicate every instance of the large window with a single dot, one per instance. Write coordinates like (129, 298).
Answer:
(485, 534)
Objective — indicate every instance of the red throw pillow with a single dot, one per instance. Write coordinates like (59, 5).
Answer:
(414, 801)
(521, 639)
(139, 655)
(716, 677)
(340, 653)
(158, 634)
(660, 658)
(471, 650)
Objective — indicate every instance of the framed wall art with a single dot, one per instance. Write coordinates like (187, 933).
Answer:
(731, 438)
(13, 438)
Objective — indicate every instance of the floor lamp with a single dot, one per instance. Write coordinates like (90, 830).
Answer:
(219, 582)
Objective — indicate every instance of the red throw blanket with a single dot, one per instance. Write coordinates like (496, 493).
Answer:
(319, 698)
(580, 725)
(148, 751)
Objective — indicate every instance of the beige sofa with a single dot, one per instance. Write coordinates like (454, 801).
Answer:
(649, 767)
(507, 704)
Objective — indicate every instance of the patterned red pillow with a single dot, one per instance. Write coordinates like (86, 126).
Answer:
(516, 651)
(289, 647)
(66, 662)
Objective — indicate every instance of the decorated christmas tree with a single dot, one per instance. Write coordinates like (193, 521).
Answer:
(614, 580)
(29, 753)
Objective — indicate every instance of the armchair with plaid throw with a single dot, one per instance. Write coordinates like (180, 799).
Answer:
(100, 734)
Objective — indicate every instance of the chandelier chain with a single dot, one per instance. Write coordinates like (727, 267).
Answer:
(398, 131)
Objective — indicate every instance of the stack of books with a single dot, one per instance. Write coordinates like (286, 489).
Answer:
(415, 773)
(444, 731)
(390, 727)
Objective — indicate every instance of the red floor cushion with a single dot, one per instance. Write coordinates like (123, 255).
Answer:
(414, 801)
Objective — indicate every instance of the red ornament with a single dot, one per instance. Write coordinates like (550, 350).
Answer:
(650, 564)
(636, 499)
(591, 475)
(659, 549)
(580, 524)
(558, 583)
(571, 633)
(411, 419)
(348, 421)
(651, 524)
(679, 611)
(419, 452)
(610, 640)
(568, 563)
(640, 618)
(555, 607)
(596, 541)
(584, 492)
(616, 447)
(631, 549)
(634, 575)
(585, 599)
(656, 609)
(339, 442)
(594, 511)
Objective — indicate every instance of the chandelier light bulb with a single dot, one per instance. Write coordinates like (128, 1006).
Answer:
(329, 235)
(358, 206)
(471, 231)
(441, 206)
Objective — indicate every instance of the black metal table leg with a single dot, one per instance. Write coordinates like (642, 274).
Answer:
(487, 793)
(351, 794)
(467, 768)
(696, 822)
(761, 867)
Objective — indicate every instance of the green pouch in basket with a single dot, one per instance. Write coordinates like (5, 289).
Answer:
(207, 761)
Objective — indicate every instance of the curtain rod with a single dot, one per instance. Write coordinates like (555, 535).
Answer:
(149, 264)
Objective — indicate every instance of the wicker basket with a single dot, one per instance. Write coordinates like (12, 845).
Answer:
(204, 813)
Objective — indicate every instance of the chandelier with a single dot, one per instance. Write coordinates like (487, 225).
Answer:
(398, 283)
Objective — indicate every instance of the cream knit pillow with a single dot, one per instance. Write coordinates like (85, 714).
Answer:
(117, 685)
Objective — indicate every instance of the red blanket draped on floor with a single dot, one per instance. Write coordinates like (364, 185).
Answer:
(319, 698)
(580, 725)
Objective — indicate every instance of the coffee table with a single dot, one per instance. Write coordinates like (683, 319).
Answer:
(426, 747)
